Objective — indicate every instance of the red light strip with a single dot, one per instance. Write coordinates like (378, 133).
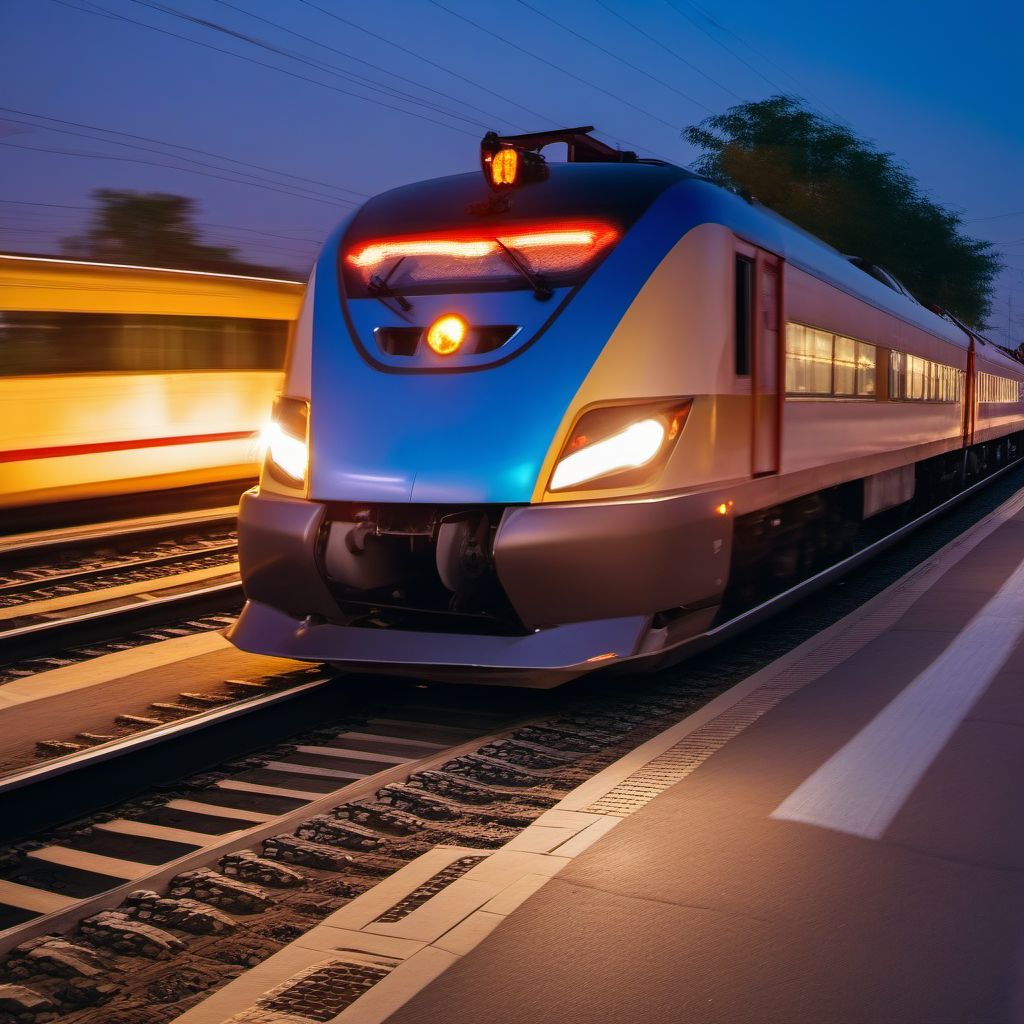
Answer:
(29, 454)
(592, 237)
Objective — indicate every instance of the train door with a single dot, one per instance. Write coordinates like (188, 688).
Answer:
(970, 402)
(768, 370)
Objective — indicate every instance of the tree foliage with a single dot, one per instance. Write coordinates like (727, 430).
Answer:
(153, 229)
(841, 188)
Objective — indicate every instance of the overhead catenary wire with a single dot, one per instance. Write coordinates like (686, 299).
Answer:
(189, 149)
(560, 70)
(387, 71)
(657, 42)
(252, 60)
(174, 156)
(7, 231)
(996, 216)
(306, 59)
(426, 60)
(614, 56)
(198, 223)
(175, 167)
(743, 42)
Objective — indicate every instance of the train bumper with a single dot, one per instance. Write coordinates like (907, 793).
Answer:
(590, 584)
(542, 659)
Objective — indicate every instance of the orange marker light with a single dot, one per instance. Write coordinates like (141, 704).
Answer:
(724, 509)
(447, 333)
(505, 167)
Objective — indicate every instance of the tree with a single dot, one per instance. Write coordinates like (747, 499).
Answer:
(841, 188)
(153, 229)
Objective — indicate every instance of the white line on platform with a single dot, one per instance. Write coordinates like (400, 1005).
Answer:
(862, 787)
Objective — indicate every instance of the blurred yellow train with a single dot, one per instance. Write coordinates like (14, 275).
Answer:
(119, 379)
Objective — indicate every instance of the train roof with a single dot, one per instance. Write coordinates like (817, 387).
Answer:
(35, 283)
(28, 258)
(623, 191)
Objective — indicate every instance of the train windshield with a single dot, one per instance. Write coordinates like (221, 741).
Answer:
(452, 235)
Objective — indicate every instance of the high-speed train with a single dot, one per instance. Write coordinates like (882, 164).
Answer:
(558, 417)
(118, 379)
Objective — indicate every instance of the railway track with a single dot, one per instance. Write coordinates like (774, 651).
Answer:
(220, 865)
(70, 595)
(61, 641)
(87, 864)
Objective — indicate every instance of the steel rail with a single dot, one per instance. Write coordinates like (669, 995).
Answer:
(73, 537)
(80, 575)
(137, 741)
(230, 842)
(45, 638)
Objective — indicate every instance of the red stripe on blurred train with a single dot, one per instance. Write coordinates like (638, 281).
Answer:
(119, 379)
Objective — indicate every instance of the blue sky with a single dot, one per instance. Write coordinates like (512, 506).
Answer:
(309, 130)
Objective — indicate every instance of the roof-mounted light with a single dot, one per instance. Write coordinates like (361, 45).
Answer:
(506, 165)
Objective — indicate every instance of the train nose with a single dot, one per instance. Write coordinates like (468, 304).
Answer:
(469, 426)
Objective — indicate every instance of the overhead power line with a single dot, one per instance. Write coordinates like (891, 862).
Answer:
(92, 134)
(728, 49)
(542, 118)
(200, 223)
(376, 67)
(743, 42)
(560, 70)
(259, 63)
(615, 56)
(672, 53)
(995, 216)
(318, 65)
(174, 167)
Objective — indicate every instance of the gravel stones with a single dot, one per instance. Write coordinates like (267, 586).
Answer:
(24, 1003)
(115, 930)
(250, 867)
(219, 891)
(55, 955)
(293, 850)
(327, 829)
(184, 914)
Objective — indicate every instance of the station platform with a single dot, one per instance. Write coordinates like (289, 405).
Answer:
(838, 838)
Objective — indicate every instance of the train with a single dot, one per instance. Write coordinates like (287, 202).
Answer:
(118, 379)
(557, 417)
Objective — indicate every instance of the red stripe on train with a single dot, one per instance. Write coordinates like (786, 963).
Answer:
(26, 454)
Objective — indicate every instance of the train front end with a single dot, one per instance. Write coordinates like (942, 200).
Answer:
(473, 471)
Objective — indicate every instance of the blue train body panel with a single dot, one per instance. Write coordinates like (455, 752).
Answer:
(478, 435)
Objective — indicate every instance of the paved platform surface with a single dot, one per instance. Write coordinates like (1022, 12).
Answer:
(838, 839)
(856, 854)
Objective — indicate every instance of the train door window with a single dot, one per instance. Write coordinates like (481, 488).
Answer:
(744, 320)
(767, 365)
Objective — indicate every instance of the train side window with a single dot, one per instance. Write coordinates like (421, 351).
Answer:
(915, 379)
(824, 365)
(866, 357)
(744, 321)
(45, 343)
(844, 361)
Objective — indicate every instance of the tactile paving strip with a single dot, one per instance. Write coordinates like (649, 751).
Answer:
(692, 751)
(431, 887)
(318, 994)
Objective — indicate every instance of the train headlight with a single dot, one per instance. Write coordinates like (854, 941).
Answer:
(285, 440)
(446, 334)
(619, 445)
